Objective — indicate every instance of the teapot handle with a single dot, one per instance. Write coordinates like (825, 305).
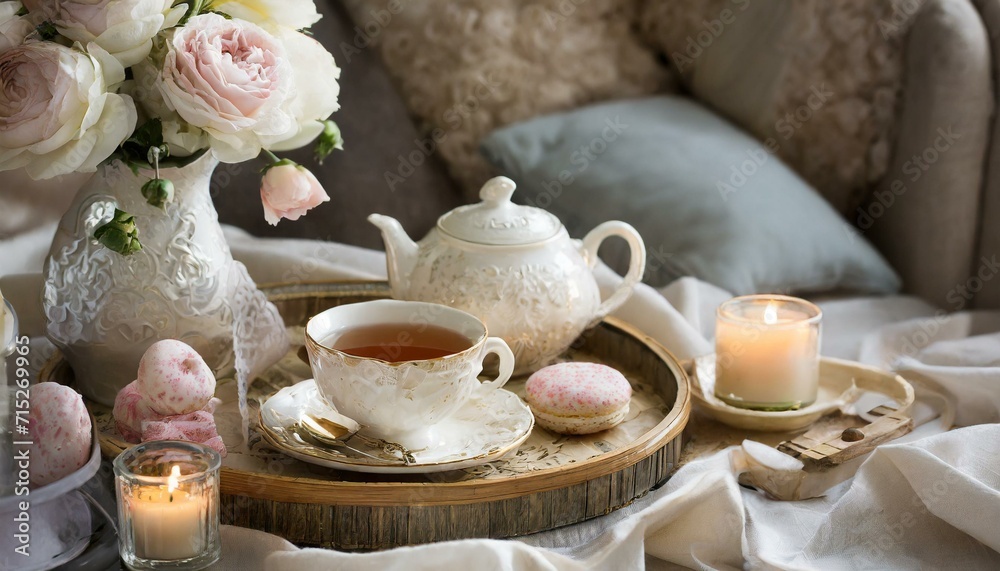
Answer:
(636, 264)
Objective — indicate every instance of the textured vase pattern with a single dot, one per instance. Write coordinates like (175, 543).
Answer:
(103, 309)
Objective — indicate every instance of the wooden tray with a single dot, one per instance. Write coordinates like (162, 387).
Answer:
(550, 482)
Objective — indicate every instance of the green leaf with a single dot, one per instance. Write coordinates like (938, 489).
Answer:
(137, 151)
(134, 152)
(330, 140)
(179, 162)
(47, 30)
(195, 7)
(149, 134)
(120, 234)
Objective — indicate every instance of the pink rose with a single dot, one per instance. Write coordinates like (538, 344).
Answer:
(57, 112)
(288, 191)
(231, 79)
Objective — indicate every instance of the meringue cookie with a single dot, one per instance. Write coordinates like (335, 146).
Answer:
(174, 379)
(132, 413)
(198, 426)
(131, 410)
(61, 430)
(578, 398)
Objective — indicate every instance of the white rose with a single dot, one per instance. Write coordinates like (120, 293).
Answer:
(295, 14)
(315, 92)
(56, 114)
(123, 28)
(231, 79)
(183, 139)
(13, 28)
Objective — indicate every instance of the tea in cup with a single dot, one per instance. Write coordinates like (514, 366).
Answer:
(399, 368)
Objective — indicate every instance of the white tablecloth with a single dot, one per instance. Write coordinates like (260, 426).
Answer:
(932, 500)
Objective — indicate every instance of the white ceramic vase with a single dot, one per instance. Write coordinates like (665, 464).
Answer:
(103, 310)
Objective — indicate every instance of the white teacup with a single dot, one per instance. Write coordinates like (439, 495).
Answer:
(401, 401)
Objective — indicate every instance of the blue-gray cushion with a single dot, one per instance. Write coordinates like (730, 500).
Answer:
(709, 200)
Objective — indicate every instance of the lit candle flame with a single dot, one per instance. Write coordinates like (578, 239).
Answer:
(771, 314)
(175, 473)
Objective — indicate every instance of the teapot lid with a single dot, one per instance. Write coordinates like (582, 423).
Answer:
(497, 221)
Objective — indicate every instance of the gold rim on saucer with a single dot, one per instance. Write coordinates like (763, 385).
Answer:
(365, 454)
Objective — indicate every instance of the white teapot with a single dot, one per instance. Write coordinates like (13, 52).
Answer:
(515, 267)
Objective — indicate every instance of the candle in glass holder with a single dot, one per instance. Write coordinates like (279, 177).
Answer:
(168, 505)
(767, 352)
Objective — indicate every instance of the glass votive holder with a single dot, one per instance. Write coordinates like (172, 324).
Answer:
(767, 352)
(168, 505)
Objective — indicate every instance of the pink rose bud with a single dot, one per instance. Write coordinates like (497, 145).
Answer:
(288, 191)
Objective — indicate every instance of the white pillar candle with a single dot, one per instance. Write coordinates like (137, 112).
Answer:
(767, 352)
(167, 522)
(168, 505)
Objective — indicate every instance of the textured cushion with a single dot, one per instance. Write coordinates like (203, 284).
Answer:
(709, 200)
(821, 79)
(378, 135)
(466, 68)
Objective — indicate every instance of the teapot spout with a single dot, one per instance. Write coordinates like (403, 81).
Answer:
(400, 253)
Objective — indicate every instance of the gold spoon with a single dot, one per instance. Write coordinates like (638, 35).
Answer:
(332, 433)
(326, 430)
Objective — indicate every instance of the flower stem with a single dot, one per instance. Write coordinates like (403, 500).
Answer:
(274, 158)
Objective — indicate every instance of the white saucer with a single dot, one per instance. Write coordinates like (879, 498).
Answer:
(837, 391)
(484, 430)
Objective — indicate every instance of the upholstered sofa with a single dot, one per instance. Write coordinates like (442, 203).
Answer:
(907, 149)
(907, 154)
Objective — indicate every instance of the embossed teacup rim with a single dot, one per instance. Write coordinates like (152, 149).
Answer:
(477, 344)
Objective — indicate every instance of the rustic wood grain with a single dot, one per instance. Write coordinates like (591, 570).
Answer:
(358, 512)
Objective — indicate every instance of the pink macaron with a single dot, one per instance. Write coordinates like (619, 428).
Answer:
(578, 398)
(61, 430)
